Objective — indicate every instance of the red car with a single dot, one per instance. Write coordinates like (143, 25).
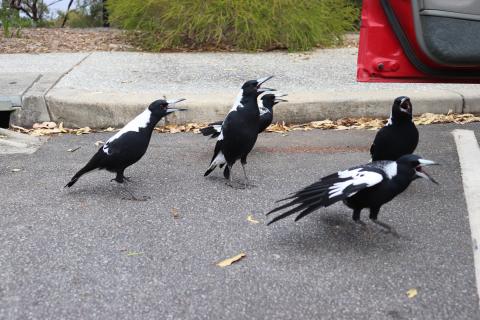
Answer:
(419, 41)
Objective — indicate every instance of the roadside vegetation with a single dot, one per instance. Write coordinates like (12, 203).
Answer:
(164, 25)
(235, 25)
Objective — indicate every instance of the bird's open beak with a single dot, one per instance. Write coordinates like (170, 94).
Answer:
(278, 97)
(173, 102)
(422, 173)
(406, 106)
(262, 81)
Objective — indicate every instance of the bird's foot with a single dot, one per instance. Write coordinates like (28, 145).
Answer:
(363, 226)
(134, 198)
(236, 185)
(387, 228)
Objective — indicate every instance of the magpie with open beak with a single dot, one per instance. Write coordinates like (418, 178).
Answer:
(266, 102)
(239, 130)
(129, 144)
(399, 136)
(368, 186)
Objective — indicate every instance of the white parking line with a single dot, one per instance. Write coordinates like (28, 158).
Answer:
(469, 155)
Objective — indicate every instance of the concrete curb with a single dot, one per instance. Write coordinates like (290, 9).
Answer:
(100, 110)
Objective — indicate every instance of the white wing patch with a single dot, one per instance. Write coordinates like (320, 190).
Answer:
(219, 159)
(140, 121)
(355, 177)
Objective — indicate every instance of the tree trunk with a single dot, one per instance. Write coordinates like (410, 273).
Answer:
(106, 23)
(66, 13)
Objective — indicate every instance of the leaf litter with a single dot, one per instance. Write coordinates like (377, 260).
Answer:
(52, 128)
(230, 261)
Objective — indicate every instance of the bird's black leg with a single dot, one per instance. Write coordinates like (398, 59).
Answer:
(120, 178)
(356, 216)
(373, 216)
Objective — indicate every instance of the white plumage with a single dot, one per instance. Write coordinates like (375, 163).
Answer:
(140, 121)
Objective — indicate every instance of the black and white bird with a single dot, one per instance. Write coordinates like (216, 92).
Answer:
(129, 144)
(399, 136)
(239, 130)
(266, 101)
(367, 186)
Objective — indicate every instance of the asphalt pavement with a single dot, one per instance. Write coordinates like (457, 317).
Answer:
(85, 253)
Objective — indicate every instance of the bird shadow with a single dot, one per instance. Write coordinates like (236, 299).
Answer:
(104, 191)
(337, 232)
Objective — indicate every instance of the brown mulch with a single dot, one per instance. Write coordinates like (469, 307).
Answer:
(42, 40)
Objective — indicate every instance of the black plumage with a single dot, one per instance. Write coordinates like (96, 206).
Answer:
(367, 186)
(265, 103)
(239, 130)
(129, 144)
(399, 136)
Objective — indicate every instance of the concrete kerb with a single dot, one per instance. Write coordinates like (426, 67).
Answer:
(102, 109)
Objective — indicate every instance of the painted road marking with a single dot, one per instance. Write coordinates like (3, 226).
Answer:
(469, 155)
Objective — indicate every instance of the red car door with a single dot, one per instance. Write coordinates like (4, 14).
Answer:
(419, 41)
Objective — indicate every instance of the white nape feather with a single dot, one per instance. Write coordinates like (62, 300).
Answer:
(389, 122)
(390, 169)
(237, 103)
(261, 107)
(140, 121)
(355, 177)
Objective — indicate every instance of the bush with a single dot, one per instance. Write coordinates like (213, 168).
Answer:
(239, 24)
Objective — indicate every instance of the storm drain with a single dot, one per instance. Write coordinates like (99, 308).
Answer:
(6, 109)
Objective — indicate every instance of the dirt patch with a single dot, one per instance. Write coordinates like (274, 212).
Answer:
(43, 40)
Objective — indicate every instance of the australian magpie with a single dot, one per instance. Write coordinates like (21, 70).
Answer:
(239, 130)
(367, 186)
(399, 136)
(129, 144)
(266, 101)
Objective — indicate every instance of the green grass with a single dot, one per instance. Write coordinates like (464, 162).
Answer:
(295, 25)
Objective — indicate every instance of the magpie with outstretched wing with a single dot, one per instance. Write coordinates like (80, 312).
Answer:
(368, 186)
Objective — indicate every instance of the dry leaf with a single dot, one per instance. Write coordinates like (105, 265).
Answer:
(99, 143)
(44, 125)
(227, 262)
(133, 253)
(175, 213)
(109, 129)
(251, 219)
(73, 150)
(412, 293)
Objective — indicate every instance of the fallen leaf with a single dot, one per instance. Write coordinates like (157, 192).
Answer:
(73, 150)
(133, 253)
(412, 293)
(44, 125)
(227, 262)
(175, 213)
(251, 219)
(99, 143)
(109, 129)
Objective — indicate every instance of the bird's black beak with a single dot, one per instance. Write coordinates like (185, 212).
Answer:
(173, 102)
(262, 81)
(422, 173)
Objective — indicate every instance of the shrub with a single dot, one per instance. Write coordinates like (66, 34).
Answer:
(239, 24)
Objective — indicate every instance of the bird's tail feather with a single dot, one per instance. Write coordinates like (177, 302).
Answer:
(93, 164)
(210, 131)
